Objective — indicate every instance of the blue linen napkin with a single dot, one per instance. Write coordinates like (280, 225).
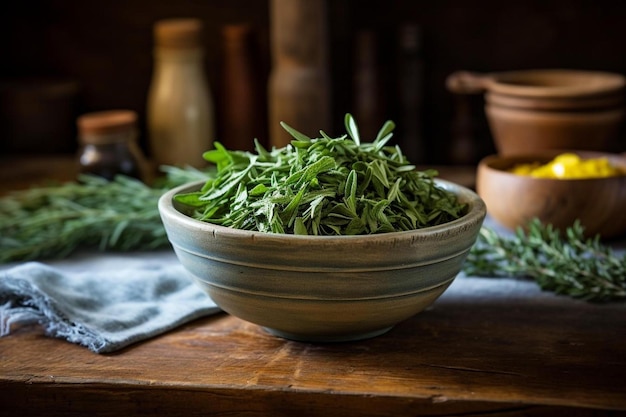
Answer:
(102, 304)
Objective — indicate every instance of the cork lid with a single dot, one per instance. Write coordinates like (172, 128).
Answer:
(178, 33)
(106, 126)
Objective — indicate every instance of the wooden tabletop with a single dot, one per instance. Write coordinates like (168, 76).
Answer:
(463, 356)
(456, 358)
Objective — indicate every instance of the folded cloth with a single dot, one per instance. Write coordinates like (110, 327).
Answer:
(104, 310)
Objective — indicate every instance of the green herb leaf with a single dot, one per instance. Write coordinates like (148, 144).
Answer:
(564, 263)
(352, 128)
(53, 221)
(323, 186)
(293, 132)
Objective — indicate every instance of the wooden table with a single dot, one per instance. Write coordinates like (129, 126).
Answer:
(457, 358)
(463, 356)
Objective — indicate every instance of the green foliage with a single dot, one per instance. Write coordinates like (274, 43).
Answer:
(564, 263)
(322, 186)
(54, 221)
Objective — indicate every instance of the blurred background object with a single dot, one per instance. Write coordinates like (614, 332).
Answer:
(107, 50)
(108, 144)
(369, 106)
(241, 104)
(539, 109)
(180, 109)
(37, 115)
(410, 91)
(299, 90)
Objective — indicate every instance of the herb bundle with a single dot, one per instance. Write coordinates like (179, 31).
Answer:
(322, 186)
(54, 221)
(565, 263)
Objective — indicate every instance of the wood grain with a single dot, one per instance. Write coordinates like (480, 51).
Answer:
(493, 358)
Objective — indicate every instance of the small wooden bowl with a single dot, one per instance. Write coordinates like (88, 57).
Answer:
(513, 200)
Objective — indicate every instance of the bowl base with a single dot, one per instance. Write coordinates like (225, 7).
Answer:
(352, 337)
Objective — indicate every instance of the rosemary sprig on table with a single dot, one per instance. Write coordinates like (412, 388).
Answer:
(565, 263)
(54, 221)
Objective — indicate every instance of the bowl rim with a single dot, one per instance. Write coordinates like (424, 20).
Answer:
(476, 213)
(604, 82)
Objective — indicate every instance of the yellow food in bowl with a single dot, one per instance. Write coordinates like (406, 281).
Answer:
(568, 166)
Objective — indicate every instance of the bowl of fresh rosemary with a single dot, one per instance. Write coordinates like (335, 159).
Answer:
(327, 239)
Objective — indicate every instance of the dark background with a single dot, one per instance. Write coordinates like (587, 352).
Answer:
(106, 47)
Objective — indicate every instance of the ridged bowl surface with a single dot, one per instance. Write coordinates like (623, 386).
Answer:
(322, 288)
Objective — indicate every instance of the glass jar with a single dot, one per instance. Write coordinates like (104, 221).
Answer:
(108, 145)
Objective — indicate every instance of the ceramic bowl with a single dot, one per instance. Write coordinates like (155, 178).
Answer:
(519, 131)
(513, 200)
(534, 110)
(322, 288)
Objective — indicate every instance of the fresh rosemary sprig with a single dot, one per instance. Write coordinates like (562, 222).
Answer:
(54, 221)
(564, 263)
(322, 186)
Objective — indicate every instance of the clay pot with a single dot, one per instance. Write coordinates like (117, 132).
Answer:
(533, 110)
